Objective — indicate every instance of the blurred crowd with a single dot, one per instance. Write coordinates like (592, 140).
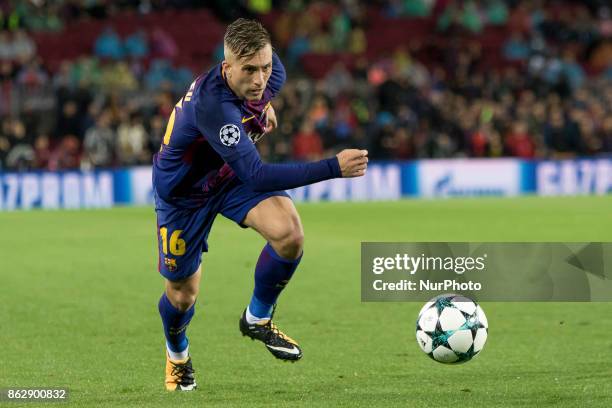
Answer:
(415, 113)
(553, 97)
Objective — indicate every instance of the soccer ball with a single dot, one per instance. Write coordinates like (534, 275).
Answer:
(451, 328)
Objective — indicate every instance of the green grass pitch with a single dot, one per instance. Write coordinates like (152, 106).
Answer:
(78, 309)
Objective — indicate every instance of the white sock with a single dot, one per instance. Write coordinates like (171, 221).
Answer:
(254, 319)
(182, 355)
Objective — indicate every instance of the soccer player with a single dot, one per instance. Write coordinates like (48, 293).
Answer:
(208, 165)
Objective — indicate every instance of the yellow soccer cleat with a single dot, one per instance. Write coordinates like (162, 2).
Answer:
(179, 375)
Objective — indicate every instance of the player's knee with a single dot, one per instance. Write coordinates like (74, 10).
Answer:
(182, 300)
(292, 247)
(182, 296)
(291, 244)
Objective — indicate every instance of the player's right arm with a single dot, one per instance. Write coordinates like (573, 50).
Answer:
(221, 125)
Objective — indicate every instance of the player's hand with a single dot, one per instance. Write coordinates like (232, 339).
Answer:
(353, 162)
(271, 122)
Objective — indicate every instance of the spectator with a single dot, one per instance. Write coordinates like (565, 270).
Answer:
(519, 143)
(118, 76)
(497, 12)
(162, 44)
(572, 70)
(299, 46)
(32, 75)
(131, 141)
(605, 134)
(21, 156)
(5, 148)
(156, 133)
(558, 136)
(45, 19)
(7, 51)
(67, 154)
(400, 144)
(136, 45)
(307, 144)
(42, 152)
(520, 21)
(24, 48)
(108, 45)
(417, 8)
(358, 42)
(516, 49)
(319, 112)
(338, 80)
(340, 30)
(160, 73)
(480, 139)
(69, 123)
(99, 143)
(590, 143)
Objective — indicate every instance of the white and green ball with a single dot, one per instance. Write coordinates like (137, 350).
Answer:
(451, 329)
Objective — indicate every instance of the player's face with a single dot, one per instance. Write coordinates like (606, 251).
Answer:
(248, 77)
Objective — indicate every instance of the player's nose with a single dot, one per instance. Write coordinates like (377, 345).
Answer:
(259, 79)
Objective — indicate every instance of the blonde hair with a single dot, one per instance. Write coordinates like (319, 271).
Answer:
(245, 37)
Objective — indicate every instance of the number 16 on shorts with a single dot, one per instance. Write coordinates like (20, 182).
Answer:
(176, 245)
(172, 245)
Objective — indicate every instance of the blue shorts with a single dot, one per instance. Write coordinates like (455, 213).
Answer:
(182, 233)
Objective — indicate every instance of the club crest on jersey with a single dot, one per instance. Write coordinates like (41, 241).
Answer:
(229, 135)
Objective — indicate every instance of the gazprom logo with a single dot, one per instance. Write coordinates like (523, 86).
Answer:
(445, 186)
(68, 190)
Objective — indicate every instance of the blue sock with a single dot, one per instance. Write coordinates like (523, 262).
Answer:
(272, 273)
(175, 324)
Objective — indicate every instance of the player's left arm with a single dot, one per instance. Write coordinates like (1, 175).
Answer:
(275, 84)
(277, 77)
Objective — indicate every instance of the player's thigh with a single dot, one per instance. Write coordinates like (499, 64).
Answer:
(275, 218)
(181, 239)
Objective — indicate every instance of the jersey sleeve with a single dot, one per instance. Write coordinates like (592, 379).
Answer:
(272, 177)
(222, 128)
(221, 125)
(278, 76)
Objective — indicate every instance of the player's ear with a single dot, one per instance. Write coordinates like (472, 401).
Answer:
(227, 68)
